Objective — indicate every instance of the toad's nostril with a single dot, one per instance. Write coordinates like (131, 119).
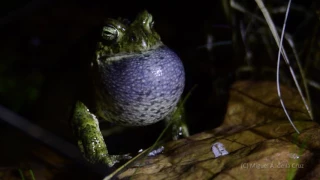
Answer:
(133, 38)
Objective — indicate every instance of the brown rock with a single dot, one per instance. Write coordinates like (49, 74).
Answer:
(255, 141)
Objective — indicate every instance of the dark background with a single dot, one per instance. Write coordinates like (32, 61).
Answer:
(45, 47)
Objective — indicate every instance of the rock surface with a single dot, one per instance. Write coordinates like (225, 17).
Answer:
(255, 141)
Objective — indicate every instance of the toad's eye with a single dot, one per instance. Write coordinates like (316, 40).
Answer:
(110, 33)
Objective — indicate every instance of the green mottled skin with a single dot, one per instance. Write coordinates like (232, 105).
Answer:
(91, 143)
(119, 41)
(124, 43)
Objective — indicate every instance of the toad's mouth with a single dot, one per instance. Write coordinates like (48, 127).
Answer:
(123, 55)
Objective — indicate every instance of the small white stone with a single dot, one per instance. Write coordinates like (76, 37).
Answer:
(156, 151)
(218, 149)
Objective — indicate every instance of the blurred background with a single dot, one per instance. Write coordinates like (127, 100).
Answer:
(46, 47)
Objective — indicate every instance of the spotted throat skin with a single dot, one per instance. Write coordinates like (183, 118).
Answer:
(140, 90)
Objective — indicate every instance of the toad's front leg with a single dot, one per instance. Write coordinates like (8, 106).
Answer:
(85, 126)
(177, 120)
